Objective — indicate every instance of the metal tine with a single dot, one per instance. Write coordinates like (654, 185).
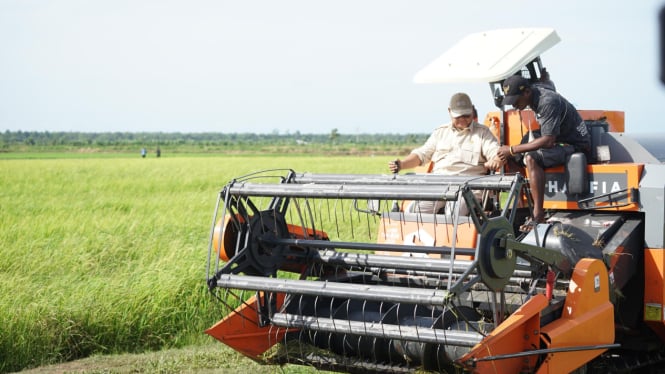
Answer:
(314, 213)
(296, 206)
(235, 207)
(335, 215)
(320, 215)
(383, 222)
(328, 203)
(290, 211)
(330, 313)
(456, 210)
(435, 220)
(296, 214)
(358, 216)
(228, 293)
(301, 207)
(369, 229)
(353, 228)
(355, 204)
(343, 206)
(211, 250)
(311, 217)
(301, 333)
(419, 218)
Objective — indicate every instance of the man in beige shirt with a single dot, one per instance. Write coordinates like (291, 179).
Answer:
(461, 147)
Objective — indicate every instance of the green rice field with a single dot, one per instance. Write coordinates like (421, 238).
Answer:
(107, 255)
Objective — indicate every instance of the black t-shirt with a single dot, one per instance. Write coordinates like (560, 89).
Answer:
(559, 118)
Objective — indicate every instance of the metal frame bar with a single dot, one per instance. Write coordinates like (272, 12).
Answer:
(335, 289)
(379, 330)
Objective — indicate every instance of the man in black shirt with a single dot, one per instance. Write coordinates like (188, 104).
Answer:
(562, 132)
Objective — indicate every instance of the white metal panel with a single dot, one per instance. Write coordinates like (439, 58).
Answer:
(488, 56)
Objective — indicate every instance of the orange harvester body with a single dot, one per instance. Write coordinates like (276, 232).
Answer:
(351, 273)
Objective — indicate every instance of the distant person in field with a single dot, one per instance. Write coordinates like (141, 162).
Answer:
(144, 152)
(158, 152)
(461, 147)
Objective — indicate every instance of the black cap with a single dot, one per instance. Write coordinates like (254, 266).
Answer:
(513, 88)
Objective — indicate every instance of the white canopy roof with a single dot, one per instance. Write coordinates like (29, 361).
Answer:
(488, 56)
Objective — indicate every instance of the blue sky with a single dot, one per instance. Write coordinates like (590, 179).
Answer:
(299, 65)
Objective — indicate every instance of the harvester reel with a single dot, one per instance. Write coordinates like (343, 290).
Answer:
(495, 262)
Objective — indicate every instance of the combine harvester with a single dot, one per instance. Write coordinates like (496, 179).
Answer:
(339, 272)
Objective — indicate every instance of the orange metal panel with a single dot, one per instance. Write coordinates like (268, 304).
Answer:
(615, 119)
(603, 178)
(240, 330)
(519, 332)
(224, 237)
(587, 319)
(426, 168)
(396, 231)
(517, 127)
(422, 169)
(654, 290)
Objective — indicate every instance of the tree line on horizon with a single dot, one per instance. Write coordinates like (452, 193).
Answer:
(16, 140)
